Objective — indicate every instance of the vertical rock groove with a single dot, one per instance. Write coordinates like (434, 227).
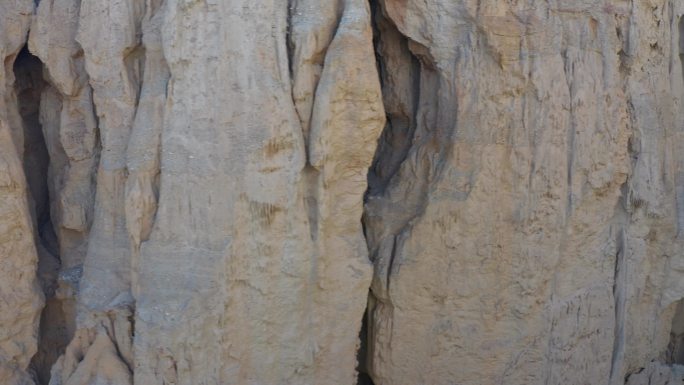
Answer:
(235, 192)
(681, 43)
(30, 87)
(21, 298)
(509, 272)
(204, 209)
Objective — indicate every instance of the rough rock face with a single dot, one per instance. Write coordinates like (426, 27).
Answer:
(202, 192)
(21, 299)
(526, 200)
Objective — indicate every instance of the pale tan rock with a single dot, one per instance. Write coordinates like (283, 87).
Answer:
(95, 354)
(276, 263)
(212, 178)
(113, 63)
(20, 296)
(144, 145)
(199, 219)
(527, 233)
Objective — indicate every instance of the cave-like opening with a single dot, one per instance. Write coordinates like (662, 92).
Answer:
(29, 84)
(364, 377)
(28, 87)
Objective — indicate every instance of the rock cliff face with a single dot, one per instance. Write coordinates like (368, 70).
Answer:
(268, 192)
(528, 232)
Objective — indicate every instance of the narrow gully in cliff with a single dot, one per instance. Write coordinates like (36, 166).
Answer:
(681, 43)
(392, 54)
(29, 87)
(619, 279)
(680, 175)
(364, 377)
(363, 369)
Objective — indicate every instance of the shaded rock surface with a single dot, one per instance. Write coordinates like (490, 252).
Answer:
(220, 191)
(528, 232)
(21, 299)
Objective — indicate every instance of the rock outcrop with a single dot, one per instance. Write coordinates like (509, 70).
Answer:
(221, 191)
(526, 202)
(208, 164)
(21, 299)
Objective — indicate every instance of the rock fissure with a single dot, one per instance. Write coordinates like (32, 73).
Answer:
(29, 86)
(207, 190)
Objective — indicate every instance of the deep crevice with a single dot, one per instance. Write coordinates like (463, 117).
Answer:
(364, 377)
(362, 356)
(681, 43)
(29, 85)
(675, 349)
(619, 283)
(400, 71)
(396, 139)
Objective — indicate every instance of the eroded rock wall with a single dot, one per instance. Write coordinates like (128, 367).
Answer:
(256, 265)
(202, 193)
(207, 170)
(527, 231)
(21, 298)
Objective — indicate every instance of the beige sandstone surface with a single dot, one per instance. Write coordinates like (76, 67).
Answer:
(221, 191)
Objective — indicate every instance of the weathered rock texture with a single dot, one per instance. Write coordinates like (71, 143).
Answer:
(21, 299)
(202, 192)
(526, 201)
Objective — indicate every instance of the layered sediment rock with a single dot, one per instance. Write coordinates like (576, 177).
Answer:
(203, 192)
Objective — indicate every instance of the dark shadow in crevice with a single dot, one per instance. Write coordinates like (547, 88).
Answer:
(681, 43)
(393, 144)
(362, 356)
(400, 79)
(28, 87)
(675, 349)
(364, 379)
